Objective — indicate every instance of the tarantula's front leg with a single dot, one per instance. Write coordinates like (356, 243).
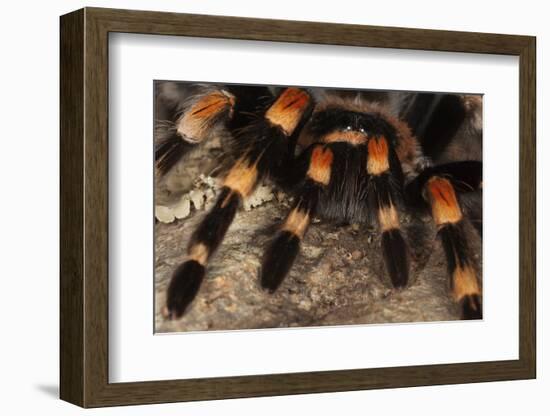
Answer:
(284, 247)
(200, 114)
(384, 195)
(263, 145)
(448, 217)
(437, 187)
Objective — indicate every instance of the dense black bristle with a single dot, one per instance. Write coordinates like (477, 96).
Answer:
(387, 189)
(435, 119)
(344, 198)
(384, 191)
(396, 257)
(471, 307)
(183, 288)
(264, 145)
(455, 245)
(213, 227)
(415, 109)
(278, 259)
(250, 103)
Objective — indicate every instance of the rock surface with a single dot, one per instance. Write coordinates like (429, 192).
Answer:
(337, 279)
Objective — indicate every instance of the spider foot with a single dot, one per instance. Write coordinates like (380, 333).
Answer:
(183, 288)
(396, 257)
(471, 307)
(278, 260)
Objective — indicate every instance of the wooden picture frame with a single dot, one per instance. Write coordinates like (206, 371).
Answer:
(84, 207)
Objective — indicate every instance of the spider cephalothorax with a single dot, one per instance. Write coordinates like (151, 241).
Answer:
(344, 158)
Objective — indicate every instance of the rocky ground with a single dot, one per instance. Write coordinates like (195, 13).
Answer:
(338, 278)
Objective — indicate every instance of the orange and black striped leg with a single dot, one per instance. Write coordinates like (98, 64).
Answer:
(284, 247)
(201, 114)
(187, 278)
(263, 144)
(384, 194)
(466, 179)
(447, 214)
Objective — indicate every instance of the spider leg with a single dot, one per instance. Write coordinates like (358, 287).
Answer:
(434, 119)
(196, 119)
(384, 196)
(284, 247)
(449, 218)
(466, 178)
(263, 145)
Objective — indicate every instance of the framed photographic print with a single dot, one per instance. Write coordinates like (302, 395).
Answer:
(258, 207)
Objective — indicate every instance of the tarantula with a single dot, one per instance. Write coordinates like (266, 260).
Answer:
(345, 156)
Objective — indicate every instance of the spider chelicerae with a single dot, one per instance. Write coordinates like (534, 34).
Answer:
(346, 156)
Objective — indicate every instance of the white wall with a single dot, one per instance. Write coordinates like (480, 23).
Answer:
(29, 134)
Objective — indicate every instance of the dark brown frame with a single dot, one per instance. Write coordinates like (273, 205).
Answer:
(84, 208)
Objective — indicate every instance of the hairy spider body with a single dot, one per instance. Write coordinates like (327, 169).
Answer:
(356, 163)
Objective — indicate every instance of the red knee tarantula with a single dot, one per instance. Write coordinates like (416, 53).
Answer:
(345, 156)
